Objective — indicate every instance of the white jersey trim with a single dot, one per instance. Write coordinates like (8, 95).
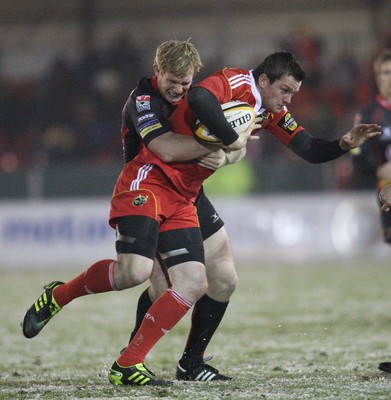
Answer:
(141, 175)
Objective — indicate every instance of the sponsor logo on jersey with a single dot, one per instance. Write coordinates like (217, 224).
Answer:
(149, 123)
(149, 127)
(145, 117)
(140, 200)
(288, 123)
(143, 103)
(264, 117)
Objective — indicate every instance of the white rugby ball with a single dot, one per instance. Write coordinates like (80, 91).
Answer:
(240, 116)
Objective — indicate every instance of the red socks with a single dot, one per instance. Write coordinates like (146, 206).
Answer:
(163, 315)
(98, 278)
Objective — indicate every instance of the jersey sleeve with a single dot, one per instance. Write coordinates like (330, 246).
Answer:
(218, 84)
(147, 114)
(283, 126)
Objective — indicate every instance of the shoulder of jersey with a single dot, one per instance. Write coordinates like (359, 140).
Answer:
(240, 116)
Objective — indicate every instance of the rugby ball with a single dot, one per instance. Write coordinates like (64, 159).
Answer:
(240, 116)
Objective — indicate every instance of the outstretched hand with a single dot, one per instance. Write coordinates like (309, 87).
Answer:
(359, 135)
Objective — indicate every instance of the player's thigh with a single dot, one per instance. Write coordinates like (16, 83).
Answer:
(177, 246)
(136, 245)
(182, 252)
(220, 266)
(209, 220)
(218, 253)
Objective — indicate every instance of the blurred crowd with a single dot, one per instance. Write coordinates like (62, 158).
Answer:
(73, 112)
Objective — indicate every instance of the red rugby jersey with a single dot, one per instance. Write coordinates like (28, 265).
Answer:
(227, 84)
(239, 84)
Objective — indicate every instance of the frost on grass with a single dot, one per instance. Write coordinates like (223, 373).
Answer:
(303, 332)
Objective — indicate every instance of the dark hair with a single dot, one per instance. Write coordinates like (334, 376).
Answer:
(275, 65)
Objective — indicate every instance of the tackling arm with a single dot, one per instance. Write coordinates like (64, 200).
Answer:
(171, 147)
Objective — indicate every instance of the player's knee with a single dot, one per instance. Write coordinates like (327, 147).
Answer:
(131, 270)
(199, 281)
(189, 279)
(157, 288)
(221, 287)
(229, 285)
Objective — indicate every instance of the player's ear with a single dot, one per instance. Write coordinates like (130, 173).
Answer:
(156, 69)
(263, 80)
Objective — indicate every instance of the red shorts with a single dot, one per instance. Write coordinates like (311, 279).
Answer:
(142, 189)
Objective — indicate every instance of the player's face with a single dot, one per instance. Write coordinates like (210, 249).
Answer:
(172, 87)
(384, 79)
(278, 94)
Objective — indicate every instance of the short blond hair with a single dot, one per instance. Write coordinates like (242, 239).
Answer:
(383, 57)
(178, 57)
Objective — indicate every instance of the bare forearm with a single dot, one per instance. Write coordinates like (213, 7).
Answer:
(172, 147)
(235, 156)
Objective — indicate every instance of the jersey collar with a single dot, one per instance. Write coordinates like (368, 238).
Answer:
(154, 83)
(258, 99)
(383, 102)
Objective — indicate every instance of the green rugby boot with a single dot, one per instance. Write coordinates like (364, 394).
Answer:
(135, 375)
(41, 312)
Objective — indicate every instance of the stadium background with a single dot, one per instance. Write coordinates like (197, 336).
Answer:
(66, 69)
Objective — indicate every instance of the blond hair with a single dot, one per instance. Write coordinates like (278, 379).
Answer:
(383, 57)
(178, 57)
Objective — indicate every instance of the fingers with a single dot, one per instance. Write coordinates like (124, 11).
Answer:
(368, 128)
(365, 131)
(373, 134)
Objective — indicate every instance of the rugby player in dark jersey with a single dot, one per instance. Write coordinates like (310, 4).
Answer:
(372, 160)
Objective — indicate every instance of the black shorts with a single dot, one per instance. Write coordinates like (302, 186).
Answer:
(210, 221)
(138, 234)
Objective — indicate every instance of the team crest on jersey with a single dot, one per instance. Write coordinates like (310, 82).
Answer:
(140, 200)
(143, 103)
(264, 117)
(288, 123)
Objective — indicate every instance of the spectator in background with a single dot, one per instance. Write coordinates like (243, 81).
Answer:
(307, 47)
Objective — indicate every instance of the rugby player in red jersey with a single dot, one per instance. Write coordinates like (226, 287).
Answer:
(172, 305)
(145, 203)
(269, 88)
